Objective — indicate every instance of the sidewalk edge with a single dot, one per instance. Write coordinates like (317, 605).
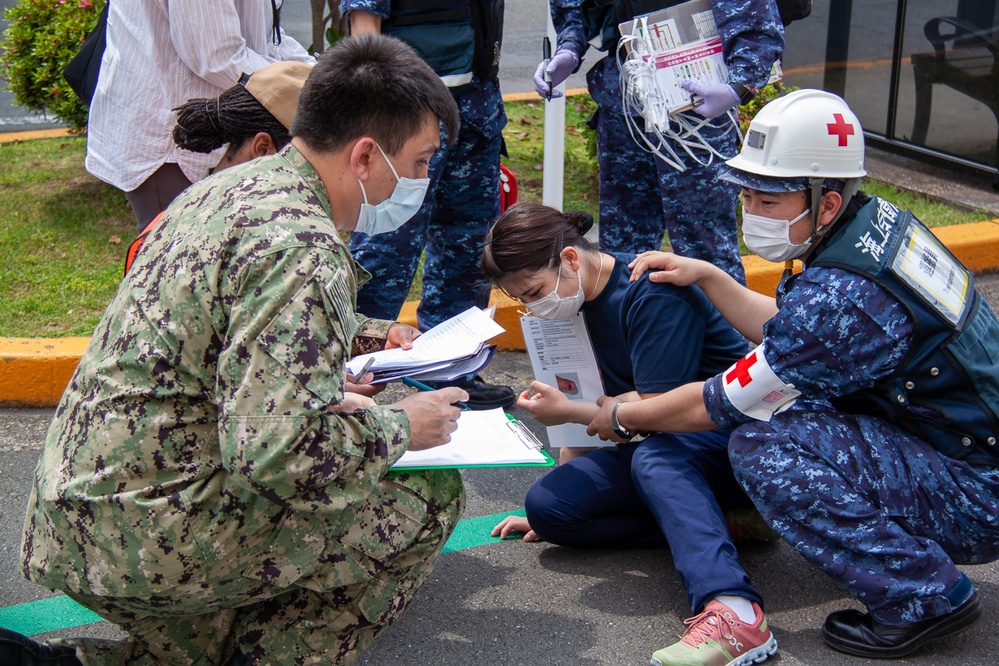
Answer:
(34, 372)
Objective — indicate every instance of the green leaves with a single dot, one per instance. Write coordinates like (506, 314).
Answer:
(41, 38)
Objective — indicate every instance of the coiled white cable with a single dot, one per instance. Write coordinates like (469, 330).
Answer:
(674, 138)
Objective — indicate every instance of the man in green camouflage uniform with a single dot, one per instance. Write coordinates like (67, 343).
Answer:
(207, 483)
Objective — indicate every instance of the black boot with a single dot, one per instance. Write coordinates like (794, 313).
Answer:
(18, 650)
(860, 634)
(482, 395)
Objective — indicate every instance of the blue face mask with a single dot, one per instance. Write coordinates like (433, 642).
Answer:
(402, 204)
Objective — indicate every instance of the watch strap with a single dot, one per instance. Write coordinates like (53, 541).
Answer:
(744, 93)
(616, 426)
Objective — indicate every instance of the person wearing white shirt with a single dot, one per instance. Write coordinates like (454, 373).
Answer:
(159, 54)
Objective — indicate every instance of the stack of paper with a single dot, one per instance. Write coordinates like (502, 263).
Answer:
(447, 351)
(486, 438)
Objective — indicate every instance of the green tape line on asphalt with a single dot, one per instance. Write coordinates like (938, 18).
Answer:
(52, 614)
(473, 532)
(55, 613)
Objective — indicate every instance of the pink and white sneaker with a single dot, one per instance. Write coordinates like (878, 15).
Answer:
(717, 637)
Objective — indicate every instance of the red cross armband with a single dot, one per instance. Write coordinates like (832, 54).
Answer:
(753, 388)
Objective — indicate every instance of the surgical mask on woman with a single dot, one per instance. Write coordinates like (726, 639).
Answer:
(402, 204)
(770, 238)
(553, 306)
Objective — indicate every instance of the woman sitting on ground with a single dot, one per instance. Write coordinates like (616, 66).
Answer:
(663, 489)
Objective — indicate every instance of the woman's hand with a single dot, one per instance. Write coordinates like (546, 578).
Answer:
(681, 271)
(512, 524)
(548, 405)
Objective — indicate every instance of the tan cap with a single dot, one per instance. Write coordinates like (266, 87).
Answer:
(277, 87)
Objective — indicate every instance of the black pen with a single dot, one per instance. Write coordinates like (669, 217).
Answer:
(546, 52)
(412, 383)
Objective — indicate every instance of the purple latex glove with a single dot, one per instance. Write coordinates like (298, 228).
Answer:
(562, 64)
(718, 98)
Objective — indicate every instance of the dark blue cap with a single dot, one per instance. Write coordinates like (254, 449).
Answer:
(754, 181)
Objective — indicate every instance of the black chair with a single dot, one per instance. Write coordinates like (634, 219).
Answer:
(965, 58)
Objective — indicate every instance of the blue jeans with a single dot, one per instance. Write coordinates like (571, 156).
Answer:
(665, 490)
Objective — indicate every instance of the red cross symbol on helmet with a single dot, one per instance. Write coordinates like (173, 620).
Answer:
(840, 128)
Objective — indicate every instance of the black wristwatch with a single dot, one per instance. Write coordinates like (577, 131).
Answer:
(616, 426)
(744, 92)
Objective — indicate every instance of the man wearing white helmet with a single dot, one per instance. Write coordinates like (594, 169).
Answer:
(865, 422)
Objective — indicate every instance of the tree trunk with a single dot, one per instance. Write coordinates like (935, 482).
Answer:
(321, 19)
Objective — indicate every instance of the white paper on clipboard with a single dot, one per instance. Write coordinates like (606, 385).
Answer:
(562, 356)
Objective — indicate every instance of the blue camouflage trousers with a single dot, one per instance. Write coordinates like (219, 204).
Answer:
(641, 196)
(462, 203)
(878, 509)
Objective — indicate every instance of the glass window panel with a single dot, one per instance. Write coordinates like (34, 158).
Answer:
(949, 101)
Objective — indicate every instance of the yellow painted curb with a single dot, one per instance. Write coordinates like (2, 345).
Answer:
(11, 137)
(35, 372)
(534, 97)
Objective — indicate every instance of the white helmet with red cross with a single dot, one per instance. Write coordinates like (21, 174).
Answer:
(804, 134)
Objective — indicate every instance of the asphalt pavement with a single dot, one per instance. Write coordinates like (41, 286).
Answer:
(508, 602)
(491, 602)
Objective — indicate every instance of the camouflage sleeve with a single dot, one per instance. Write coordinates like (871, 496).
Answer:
(371, 334)
(380, 7)
(567, 17)
(281, 367)
(752, 38)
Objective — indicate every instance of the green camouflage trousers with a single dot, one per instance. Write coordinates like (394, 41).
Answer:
(354, 591)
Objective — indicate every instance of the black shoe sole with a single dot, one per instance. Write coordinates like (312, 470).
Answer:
(492, 404)
(952, 624)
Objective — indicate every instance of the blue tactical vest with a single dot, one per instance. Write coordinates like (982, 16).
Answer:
(457, 38)
(946, 390)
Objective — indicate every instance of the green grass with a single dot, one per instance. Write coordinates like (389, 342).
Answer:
(64, 234)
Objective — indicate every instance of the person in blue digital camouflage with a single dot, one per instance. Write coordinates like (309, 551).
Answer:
(460, 40)
(208, 484)
(865, 422)
(640, 195)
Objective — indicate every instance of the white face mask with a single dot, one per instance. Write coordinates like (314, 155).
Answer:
(402, 204)
(553, 306)
(770, 238)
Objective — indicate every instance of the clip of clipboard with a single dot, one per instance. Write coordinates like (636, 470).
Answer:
(524, 434)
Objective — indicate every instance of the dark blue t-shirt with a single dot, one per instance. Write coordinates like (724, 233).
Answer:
(652, 337)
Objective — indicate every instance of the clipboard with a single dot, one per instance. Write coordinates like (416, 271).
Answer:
(487, 438)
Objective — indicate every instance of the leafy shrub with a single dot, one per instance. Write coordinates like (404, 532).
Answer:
(42, 36)
(767, 94)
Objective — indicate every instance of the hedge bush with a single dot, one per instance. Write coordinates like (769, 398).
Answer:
(42, 36)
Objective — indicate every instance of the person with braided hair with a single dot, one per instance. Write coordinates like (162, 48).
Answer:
(159, 54)
(663, 489)
(253, 118)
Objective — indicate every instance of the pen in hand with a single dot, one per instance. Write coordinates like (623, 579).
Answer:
(420, 386)
(546, 49)
(359, 377)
